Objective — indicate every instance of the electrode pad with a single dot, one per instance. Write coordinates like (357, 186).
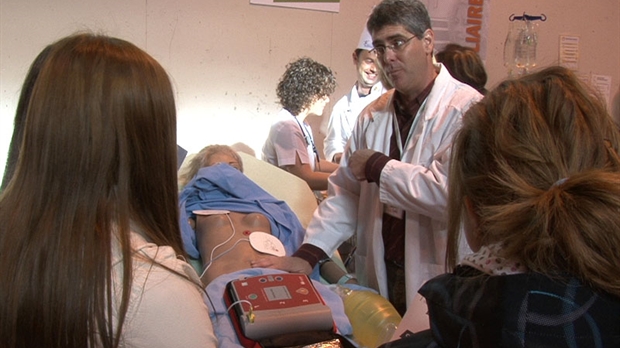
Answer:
(266, 243)
(210, 212)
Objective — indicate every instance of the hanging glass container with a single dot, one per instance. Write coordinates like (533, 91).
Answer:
(521, 44)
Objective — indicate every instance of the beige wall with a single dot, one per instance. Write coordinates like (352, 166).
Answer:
(226, 56)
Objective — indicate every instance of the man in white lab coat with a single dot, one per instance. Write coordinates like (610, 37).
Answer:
(391, 187)
(366, 89)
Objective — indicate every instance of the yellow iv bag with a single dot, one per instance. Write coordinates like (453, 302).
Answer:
(373, 318)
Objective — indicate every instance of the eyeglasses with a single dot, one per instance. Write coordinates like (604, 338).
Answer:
(396, 46)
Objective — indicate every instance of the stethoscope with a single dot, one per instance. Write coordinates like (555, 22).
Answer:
(399, 141)
(309, 141)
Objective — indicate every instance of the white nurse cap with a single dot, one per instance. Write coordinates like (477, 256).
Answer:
(365, 42)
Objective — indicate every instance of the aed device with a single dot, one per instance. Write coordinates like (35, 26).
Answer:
(276, 304)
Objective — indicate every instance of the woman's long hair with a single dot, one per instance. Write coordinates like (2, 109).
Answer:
(98, 156)
(538, 159)
(20, 115)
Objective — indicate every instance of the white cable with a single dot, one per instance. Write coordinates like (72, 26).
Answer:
(250, 316)
(240, 301)
(224, 253)
(211, 258)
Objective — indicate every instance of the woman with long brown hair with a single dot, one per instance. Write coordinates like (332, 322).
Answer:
(20, 115)
(89, 235)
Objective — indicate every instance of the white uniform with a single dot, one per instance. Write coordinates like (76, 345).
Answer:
(417, 184)
(288, 139)
(343, 117)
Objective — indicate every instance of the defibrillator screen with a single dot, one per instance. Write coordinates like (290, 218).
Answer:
(277, 293)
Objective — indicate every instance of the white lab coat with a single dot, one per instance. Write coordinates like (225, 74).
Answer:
(343, 117)
(417, 184)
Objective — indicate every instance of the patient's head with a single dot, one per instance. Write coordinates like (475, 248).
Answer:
(535, 168)
(209, 156)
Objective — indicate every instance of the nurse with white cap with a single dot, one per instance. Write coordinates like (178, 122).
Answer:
(367, 88)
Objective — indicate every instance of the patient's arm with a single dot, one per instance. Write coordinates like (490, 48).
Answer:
(330, 271)
(334, 274)
(286, 263)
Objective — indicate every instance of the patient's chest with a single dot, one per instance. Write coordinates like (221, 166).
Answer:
(223, 241)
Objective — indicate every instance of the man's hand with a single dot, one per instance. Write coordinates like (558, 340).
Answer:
(357, 163)
(284, 263)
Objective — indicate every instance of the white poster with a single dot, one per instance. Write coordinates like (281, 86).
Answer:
(600, 83)
(569, 52)
(319, 5)
(464, 22)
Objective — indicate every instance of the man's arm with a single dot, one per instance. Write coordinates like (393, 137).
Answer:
(417, 187)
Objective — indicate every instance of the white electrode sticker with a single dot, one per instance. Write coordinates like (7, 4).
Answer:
(266, 243)
(210, 212)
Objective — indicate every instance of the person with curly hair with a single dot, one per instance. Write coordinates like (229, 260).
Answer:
(303, 90)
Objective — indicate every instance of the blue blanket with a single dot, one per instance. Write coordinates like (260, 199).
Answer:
(222, 187)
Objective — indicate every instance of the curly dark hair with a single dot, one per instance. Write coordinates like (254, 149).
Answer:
(304, 81)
